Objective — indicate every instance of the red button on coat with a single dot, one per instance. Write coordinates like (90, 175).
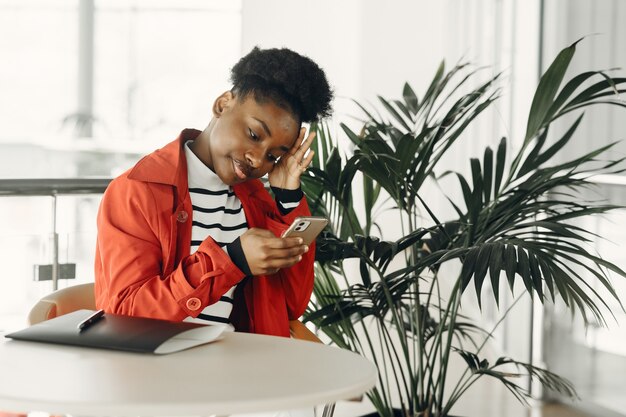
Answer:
(182, 216)
(193, 303)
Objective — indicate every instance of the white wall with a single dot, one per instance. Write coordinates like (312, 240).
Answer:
(372, 47)
(327, 31)
(367, 47)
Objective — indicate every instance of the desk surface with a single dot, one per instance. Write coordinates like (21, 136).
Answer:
(240, 373)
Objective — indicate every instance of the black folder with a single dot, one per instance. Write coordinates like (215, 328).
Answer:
(118, 332)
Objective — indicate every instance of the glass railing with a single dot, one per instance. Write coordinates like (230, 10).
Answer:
(594, 358)
(47, 240)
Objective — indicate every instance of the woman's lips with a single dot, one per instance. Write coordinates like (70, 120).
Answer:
(241, 170)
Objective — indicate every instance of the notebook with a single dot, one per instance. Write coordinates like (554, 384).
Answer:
(135, 334)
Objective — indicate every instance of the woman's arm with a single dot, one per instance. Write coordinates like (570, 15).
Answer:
(136, 241)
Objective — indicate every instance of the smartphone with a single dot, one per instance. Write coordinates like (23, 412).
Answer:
(306, 227)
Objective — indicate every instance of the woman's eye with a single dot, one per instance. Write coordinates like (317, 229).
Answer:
(253, 135)
(273, 159)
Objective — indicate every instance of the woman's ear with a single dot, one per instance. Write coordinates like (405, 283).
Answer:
(222, 103)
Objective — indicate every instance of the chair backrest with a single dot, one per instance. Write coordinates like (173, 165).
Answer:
(62, 302)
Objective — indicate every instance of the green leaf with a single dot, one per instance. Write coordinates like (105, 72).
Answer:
(530, 163)
(510, 264)
(384, 252)
(467, 192)
(471, 359)
(402, 107)
(351, 135)
(477, 177)
(333, 165)
(547, 277)
(468, 267)
(410, 98)
(535, 273)
(597, 90)
(394, 113)
(569, 88)
(365, 273)
(480, 270)
(488, 173)
(496, 263)
(547, 89)
(369, 115)
(434, 86)
(476, 198)
(523, 268)
(500, 165)
(552, 150)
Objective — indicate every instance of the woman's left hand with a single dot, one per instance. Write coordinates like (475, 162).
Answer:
(286, 173)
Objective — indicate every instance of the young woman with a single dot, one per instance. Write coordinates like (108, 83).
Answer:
(191, 233)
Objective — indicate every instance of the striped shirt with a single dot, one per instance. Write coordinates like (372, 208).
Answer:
(217, 213)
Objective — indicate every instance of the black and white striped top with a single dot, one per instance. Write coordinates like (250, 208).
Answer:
(217, 212)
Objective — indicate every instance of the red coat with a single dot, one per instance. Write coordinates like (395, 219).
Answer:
(143, 263)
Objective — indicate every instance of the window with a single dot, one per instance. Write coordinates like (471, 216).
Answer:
(159, 65)
(152, 69)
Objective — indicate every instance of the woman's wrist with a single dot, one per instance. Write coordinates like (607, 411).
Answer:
(288, 184)
(286, 199)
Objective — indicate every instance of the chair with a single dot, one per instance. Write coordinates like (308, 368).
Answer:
(82, 296)
(62, 302)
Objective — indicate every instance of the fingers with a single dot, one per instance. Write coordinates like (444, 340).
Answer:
(299, 151)
(304, 164)
(270, 240)
(299, 141)
(284, 250)
(284, 242)
(304, 146)
(301, 157)
(270, 265)
(280, 263)
(266, 253)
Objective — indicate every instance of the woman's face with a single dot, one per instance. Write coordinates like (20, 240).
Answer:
(245, 138)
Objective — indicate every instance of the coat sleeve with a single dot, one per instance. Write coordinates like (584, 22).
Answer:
(297, 281)
(134, 243)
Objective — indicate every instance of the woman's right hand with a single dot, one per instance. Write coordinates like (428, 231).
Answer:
(267, 254)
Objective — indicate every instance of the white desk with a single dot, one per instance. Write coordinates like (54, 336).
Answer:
(241, 373)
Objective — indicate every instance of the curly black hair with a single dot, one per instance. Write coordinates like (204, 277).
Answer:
(292, 81)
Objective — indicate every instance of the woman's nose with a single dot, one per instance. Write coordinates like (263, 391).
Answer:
(254, 159)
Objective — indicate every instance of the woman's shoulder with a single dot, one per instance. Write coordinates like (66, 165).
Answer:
(123, 188)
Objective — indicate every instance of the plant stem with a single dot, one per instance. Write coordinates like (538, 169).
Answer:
(384, 359)
(428, 354)
(387, 348)
(453, 305)
(455, 395)
(400, 326)
(452, 400)
(418, 326)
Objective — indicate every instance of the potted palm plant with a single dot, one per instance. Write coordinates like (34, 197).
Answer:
(389, 300)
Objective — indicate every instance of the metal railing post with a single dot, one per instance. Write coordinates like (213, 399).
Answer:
(55, 244)
(53, 187)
